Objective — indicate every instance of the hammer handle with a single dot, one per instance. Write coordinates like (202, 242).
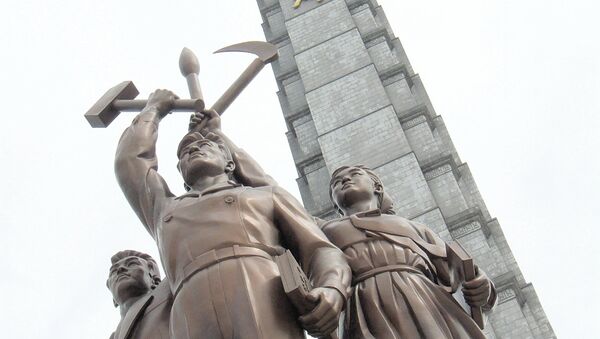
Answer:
(179, 105)
(238, 86)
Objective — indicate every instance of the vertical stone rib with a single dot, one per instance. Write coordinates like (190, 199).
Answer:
(349, 95)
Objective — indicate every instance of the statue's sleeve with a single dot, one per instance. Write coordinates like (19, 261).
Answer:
(247, 171)
(322, 261)
(445, 274)
(435, 249)
(136, 169)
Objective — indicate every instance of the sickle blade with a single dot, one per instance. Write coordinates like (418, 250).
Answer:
(265, 51)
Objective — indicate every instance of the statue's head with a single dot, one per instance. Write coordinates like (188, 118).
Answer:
(203, 156)
(132, 274)
(353, 184)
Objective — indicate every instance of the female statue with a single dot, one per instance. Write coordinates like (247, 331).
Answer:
(402, 280)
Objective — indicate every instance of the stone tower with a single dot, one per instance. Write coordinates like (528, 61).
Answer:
(350, 96)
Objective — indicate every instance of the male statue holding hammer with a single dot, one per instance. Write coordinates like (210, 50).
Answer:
(217, 241)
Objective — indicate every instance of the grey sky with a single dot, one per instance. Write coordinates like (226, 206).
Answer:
(517, 83)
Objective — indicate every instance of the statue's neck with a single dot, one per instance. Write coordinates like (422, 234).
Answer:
(124, 308)
(361, 206)
(204, 183)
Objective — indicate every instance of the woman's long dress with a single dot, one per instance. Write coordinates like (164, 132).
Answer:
(402, 282)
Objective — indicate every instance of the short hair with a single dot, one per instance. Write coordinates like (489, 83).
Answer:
(384, 203)
(153, 267)
(196, 136)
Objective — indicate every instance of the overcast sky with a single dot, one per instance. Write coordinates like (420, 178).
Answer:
(517, 83)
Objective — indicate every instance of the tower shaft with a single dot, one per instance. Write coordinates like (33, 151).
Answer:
(350, 96)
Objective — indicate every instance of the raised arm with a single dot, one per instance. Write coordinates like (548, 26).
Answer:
(136, 163)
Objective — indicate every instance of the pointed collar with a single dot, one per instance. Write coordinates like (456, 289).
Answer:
(133, 316)
(370, 213)
(211, 189)
(398, 226)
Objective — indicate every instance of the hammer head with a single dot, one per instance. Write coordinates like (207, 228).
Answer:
(102, 113)
(265, 51)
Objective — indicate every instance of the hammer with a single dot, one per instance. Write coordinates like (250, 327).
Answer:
(120, 98)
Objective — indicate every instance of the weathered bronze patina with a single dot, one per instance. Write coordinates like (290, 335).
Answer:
(217, 240)
(144, 300)
(402, 280)
(121, 97)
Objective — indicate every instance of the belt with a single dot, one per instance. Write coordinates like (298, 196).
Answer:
(212, 257)
(391, 268)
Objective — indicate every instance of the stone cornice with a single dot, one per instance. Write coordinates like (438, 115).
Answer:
(279, 39)
(395, 73)
(416, 117)
(413, 111)
(440, 166)
(466, 222)
(298, 114)
(265, 11)
(353, 5)
(316, 159)
(508, 288)
(288, 77)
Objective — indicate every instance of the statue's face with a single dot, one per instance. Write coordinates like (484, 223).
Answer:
(202, 158)
(352, 185)
(129, 277)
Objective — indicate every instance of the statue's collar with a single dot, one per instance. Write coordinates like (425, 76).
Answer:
(133, 316)
(365, 214)
(212, 189)
(370, 213)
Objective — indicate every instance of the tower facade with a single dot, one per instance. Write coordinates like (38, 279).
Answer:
(350, 96)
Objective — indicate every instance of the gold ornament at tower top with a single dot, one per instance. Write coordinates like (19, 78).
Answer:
(299, 2)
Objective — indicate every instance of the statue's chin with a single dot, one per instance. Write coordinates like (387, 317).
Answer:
(128, 287)
(354, 194)
(201, 168)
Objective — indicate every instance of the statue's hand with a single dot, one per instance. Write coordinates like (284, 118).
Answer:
(323, 319)
(477, 291)
(162, 101)
(205, 122)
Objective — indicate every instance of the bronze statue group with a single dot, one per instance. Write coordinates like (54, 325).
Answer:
(387, 276)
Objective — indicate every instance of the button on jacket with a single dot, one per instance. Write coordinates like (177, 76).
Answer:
(236, 298)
